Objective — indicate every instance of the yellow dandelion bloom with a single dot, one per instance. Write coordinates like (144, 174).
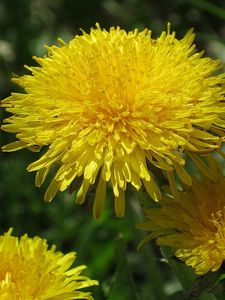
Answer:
(110, 104)
(31, 271)
(193, 225)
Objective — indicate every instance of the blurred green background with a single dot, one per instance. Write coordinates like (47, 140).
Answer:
(108, 245)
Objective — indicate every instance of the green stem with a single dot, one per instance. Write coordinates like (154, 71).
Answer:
(211, 8)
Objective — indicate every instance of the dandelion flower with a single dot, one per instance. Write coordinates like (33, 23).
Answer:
(29, 270)
(110, 104)
(193, 225)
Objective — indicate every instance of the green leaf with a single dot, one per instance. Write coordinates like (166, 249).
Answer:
(124, 286)
(185, 274)
(193, 285)
(202, 284)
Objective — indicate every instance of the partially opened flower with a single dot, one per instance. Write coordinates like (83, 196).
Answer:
(110, 104)
(193, 225)
(29, 270)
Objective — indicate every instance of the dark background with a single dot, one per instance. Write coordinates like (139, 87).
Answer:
(107, 246)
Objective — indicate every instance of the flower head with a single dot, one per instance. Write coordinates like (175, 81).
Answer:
(193, 225)
(110, 104)
(29, 270)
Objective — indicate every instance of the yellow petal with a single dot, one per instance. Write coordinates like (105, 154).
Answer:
(99, 202)
(51, 190)
(14, 146)
(120, 204)
(152, 189)
(80, 198)
(40, 176)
